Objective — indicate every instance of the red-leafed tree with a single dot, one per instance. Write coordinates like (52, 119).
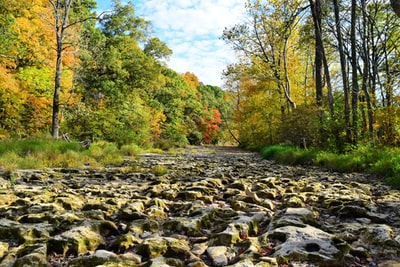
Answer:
(211, 126)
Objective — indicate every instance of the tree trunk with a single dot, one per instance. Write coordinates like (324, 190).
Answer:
(354, 62)
(287, 87)
(316, 14)
(396, 6)
(367, 64)
(57, 90)
(343, 67)
(61, 9)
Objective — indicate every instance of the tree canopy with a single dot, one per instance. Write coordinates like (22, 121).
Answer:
(308, 73)
(106, 72)
(316, 73)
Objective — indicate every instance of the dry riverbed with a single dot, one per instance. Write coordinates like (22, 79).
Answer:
(216, 206)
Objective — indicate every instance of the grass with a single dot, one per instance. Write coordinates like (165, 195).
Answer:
(159, 170)
(44, 153)
(384, 162)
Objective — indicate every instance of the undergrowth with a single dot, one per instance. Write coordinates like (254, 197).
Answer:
(44, 153)
(384, 162)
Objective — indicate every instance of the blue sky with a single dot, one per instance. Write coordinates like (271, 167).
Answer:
(192, 28)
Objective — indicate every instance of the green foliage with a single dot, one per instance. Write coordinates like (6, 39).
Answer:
(384, 162)
(115, 88)
(288, 154)
(47, 153)
(39, 153)
(157, 49)
(105, 153)
(131, 150)
(123, 21)
(159, 170)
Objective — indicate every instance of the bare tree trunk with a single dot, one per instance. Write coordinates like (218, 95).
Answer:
(316, 14)
(354, 62)
(367, 64)
(343, 67)
(61, 9)
(287, 87)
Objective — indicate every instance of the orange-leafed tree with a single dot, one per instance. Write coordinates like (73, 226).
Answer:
(211, 124)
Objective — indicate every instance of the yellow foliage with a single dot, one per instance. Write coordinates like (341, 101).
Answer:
(191, 79)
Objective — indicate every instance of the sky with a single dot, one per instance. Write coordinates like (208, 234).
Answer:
(192, 29)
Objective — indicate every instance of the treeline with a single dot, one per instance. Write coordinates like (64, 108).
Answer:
(113, 83)
(316, 73)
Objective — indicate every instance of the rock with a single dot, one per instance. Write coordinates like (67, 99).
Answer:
(98, 258)
(76, 241)
(217, 255)
(227, 237)
(199, 249)
(307, 243)
(32, 260)
(222, 208)
(3, 249)
(70, 202)
(163, 246)
(124, 243)
(32, 256)
(379, 239)
(389, 264)
(7, 199)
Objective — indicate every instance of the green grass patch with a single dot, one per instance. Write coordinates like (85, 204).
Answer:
(48, 153)
(384, 162)
(288, 154)
(159, 170)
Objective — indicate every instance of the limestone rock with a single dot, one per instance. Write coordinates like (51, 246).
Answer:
(215, 207)
(100, 257)
(218, 255)
(307, 243)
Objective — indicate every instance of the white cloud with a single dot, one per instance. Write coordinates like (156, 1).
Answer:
(192, 28)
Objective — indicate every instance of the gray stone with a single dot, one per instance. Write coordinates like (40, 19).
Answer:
(215, 207)
(98, 258)
(218, 255)
(306, 243)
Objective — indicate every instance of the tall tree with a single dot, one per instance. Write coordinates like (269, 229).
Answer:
(343, 67)
(265, 39)
(63, 10)
(354, 65)
(321, 63)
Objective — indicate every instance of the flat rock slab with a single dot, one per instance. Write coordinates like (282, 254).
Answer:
(201, 206)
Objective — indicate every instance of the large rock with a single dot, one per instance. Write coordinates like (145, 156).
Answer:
(308, 244)
(81, 239)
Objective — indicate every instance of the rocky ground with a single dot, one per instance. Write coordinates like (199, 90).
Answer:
(205, 207)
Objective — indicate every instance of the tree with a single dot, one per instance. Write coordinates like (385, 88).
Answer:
(62, 13)
(264, 40)
(396, 6)
(320, 56)
(343, 67)
(157, 49)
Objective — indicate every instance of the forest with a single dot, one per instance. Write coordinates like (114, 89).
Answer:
(317, 73)
(322, 74)
(68, 71)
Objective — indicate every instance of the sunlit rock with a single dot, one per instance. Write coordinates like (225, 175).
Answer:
(307, 244)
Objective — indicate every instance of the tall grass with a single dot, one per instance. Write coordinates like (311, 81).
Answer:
(384, 162)
(43, 153)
